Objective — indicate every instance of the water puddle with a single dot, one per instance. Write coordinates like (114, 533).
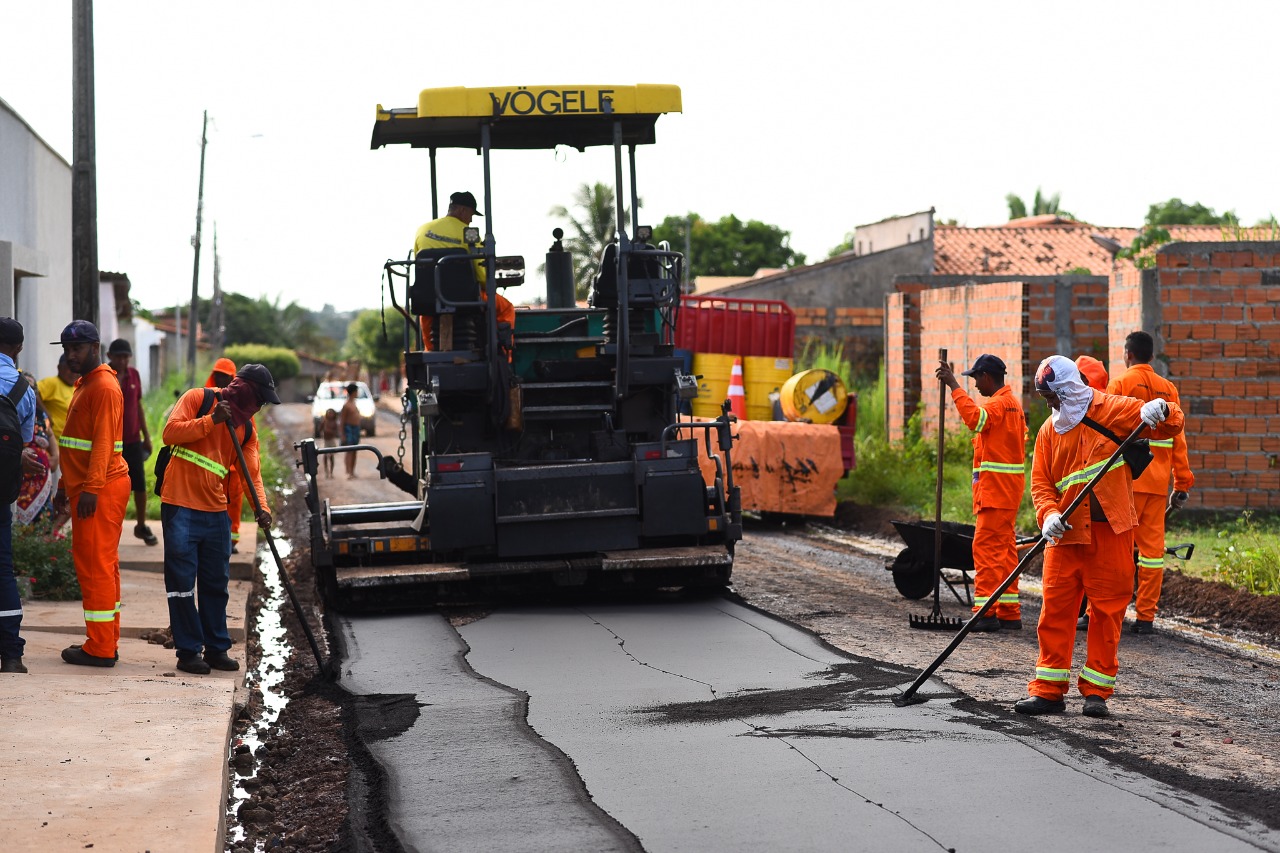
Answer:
(267, 678)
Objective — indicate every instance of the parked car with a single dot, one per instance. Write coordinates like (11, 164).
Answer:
(333, 395)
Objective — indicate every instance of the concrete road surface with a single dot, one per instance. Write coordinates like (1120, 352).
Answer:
(704, 725)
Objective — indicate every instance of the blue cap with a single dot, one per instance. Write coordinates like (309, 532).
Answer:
(986, 364)
(79, 332)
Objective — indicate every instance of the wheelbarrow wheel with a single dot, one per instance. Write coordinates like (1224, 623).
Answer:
(913, 578)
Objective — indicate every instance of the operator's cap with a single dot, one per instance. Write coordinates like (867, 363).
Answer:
(986, 363)
(10, 331)
(120, 347)
(225, 365)
(261, 377)
(467, 200)
(79, 332)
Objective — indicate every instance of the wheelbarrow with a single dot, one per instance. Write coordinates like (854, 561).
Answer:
(913, 567)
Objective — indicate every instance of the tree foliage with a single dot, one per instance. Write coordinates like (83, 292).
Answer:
(283, 363)
(592, 225)
(1175, 211)
(730, 246)
(263, 321)
(1041, 204)
(365, 341)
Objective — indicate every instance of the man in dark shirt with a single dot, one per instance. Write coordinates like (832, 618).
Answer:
(137, 437)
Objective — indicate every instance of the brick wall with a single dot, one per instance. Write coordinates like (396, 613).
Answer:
(967, 321)
(1066, 316)
(1221, 341)
(859, 330)
(901, 356)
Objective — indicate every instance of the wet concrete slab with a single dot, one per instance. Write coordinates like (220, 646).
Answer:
(463, 771)
(706, 725)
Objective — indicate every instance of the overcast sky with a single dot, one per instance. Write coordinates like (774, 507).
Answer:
(813, 116)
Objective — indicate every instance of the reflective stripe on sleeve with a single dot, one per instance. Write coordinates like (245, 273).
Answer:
(1162, 442)
(1094, 677)
(1001, 467)
(1150, 562)
(204, 462)
(85, 444)
(982, 421)
(1045, 674)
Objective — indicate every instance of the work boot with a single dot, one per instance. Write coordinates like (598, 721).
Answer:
(193, 665)
(79, 657)
(986, 625)
(141, 531)
(1144, 626)
(1010, 624)
(1037, 705)
(220, 660)
(77, 645)
(1083, 622)
(13, 665)
(1095, 706)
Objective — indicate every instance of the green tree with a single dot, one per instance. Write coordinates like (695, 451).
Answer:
(283, 363)
(262, 321)
(1177, 212)
(365, 341)
(730, 246)
(1042, 204)
(845, 245)
(592, 225)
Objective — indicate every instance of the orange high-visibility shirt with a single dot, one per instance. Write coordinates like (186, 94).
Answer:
(90, 447)
(1064, 464)
(1142, 383)
(197, 482)
(999, 448)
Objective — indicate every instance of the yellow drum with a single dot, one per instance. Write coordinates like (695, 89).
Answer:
(817, 396)
(715, 370)
(761, 376)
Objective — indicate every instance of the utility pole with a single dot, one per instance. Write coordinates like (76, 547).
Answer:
(195, 274)
(84, 175)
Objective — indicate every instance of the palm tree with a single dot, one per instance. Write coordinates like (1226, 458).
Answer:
(589, 234)
(1042, 204)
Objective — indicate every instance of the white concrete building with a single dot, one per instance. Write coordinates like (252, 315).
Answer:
(35, 240)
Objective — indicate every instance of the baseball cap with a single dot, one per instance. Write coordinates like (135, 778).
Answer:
(10, 331)
(120, 347)
(986, 364)
(467, 200)
(225, 365)
(260, 376)
(79, 332)
(1092, 371)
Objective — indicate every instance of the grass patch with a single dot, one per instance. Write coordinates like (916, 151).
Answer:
(1242, 550)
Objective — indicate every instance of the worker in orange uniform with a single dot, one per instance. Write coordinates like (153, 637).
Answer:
(447, 233)
(1094, 374)
(999, 457)
(1094, 552)
(1151, 496)
(197, 532)
(224, 370)
(95, 487)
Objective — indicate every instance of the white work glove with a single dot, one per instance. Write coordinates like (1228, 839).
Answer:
(1054, 526)
(1154, 412)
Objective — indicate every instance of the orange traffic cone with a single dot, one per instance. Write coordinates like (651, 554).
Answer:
(737, 394)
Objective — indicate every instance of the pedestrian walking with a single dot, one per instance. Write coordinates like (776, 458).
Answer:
(999, 430)
(1151, 495)
(331, 432)
(136, 435)
(20, 419)
(350, 419)
(95, 489)
(197, 530)
(1093, 553)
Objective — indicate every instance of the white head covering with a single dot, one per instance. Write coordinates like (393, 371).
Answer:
(1061, 376)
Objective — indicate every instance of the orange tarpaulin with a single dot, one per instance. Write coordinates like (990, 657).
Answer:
(782, 466)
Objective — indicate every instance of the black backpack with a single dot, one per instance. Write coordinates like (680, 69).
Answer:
(11, 443)
(166, 452)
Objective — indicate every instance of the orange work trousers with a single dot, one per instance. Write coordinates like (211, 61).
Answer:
(1103, 568)
(1149, 539)
(234, 488)
(95, 550)
(995, 555)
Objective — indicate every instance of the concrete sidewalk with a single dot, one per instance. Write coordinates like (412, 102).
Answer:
(130, 758)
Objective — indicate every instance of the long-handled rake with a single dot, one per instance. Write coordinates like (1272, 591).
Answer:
(935, 621)
(284, 576)
(909, 696)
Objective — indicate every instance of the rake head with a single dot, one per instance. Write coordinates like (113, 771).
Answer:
(936, 622)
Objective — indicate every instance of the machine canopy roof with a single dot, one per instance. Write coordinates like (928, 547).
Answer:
(527, 116)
